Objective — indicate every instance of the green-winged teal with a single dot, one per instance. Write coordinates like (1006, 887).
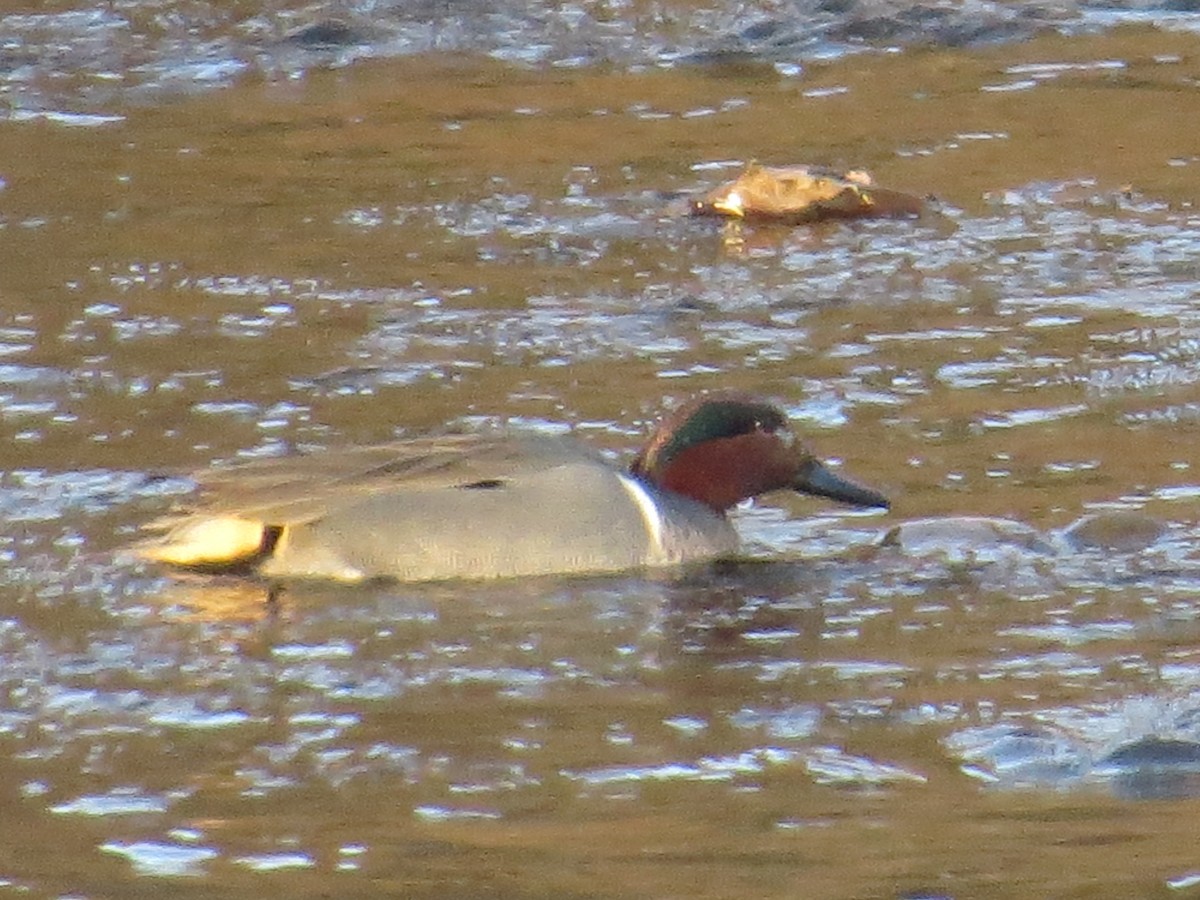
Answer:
(478, 506)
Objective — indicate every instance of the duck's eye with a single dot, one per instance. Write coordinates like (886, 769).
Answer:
(778, 430)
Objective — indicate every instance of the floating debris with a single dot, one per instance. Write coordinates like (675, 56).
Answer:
(797, 194)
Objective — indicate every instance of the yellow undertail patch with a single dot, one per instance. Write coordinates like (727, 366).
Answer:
(215, 541)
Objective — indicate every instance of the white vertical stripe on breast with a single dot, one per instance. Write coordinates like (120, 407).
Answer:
(651, 517)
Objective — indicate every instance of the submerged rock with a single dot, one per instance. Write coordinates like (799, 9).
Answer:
(1154, 751)
(1121, 530)
(964, 535)
(327, 34)
(1154, 768)
(793, 195)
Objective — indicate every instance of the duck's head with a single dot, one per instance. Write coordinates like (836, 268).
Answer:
(720, 449)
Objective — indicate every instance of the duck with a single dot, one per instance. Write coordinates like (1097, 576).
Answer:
(797, 194)
(485, 506)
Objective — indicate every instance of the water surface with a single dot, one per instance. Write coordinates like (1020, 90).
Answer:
(223, 237)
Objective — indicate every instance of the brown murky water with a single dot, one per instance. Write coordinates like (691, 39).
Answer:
(346, 254)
